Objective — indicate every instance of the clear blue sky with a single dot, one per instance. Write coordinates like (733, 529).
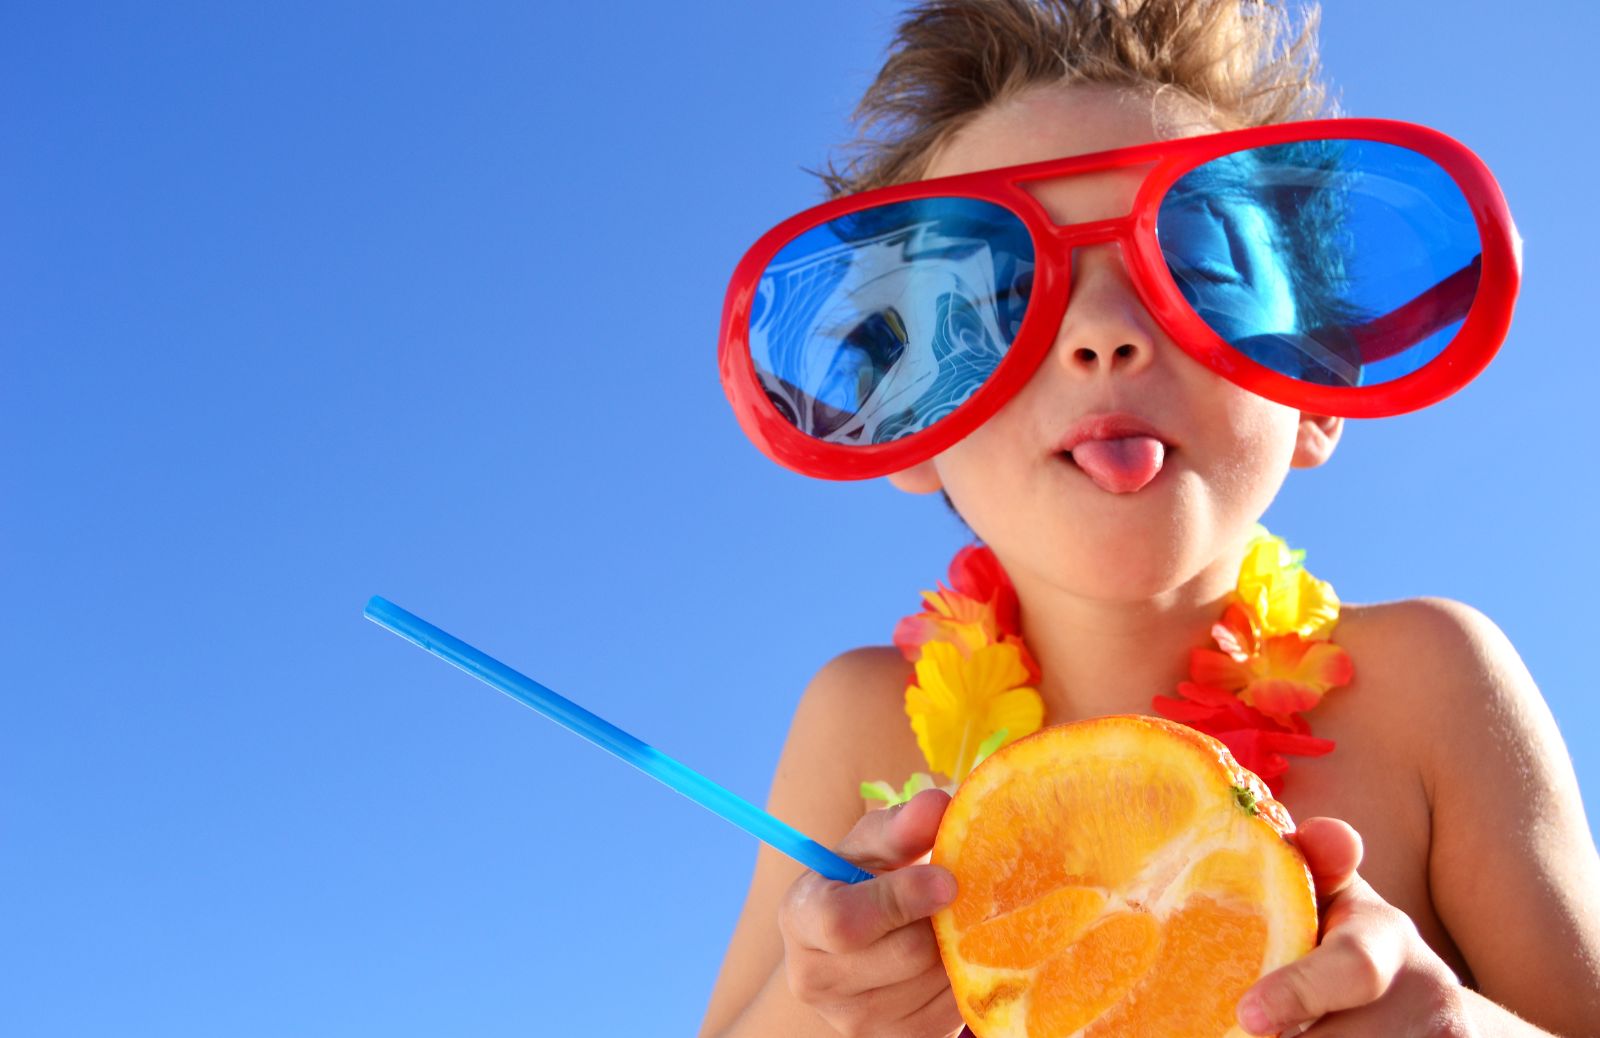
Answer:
(307, 302)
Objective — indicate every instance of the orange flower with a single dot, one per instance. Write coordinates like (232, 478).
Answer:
(947, 616)
(978, 608)
(976, 573)
(1279, 675)
(1273, 660)
(973, 690)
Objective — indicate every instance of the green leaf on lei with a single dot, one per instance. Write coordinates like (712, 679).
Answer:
(992, 743)
(877, 791)
(886, 793)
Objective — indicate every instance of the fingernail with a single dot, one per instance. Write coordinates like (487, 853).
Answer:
(944, 888)
(1253, 1016)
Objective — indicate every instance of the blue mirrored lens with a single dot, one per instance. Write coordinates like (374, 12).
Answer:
(1339, 262)
(876, 325)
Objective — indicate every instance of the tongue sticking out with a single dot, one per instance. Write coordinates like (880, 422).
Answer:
(1120, 466)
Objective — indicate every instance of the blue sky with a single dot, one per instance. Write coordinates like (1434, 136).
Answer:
(305, 303)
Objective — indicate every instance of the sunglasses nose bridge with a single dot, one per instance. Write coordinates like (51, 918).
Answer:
(1093, 232)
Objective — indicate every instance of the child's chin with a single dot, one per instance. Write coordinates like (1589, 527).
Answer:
(1130, 561)
(1128, 584)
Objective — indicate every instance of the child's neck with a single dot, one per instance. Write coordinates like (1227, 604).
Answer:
(1098, 657)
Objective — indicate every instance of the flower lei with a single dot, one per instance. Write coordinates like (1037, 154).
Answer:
(973, 689)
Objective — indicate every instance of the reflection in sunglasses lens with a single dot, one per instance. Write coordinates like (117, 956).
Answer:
(1338, 262)
(877, 324)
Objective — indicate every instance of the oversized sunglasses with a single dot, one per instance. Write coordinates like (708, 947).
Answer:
(1353, 267)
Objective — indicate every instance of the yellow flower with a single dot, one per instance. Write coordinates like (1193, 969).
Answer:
(959, 701)
(1281, 596)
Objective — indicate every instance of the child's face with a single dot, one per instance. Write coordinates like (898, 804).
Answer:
(1224, 450)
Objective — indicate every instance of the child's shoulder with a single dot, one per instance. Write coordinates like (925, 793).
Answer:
(1433, 661)
(849, 726)
(1438, 682)
(1440, 628)
(1439, 686)
(856, 704)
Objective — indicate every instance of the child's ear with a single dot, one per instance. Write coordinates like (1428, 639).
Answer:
(1314, 442)
(921, 478)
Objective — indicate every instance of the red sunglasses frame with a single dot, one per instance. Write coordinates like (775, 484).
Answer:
(1474, 345)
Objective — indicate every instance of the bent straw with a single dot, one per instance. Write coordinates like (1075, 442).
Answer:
(603, 733)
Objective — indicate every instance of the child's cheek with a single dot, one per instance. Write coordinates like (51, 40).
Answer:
(1253, 448)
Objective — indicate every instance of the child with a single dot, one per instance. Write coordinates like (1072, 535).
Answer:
(1118, 483)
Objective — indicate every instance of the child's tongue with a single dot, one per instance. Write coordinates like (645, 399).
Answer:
(1123, 465)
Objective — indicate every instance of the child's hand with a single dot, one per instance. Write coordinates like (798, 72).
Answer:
(1371, 973)
(863, 955)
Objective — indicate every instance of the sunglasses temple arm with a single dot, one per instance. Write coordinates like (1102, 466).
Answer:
(1405, 326)
(708, 794)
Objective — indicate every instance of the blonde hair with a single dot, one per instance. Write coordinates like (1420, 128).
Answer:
(1242, 60)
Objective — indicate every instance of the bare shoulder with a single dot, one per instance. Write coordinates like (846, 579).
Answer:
(1436, 632)
(1452, 688)
(1509, 837)
(1436, 658)
(1453, 672)
(869, 678)
(849, 726)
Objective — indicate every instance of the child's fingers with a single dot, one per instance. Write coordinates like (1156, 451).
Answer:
(891, 838)
(910, 951)
(1363, 950)
(883, 979)
(1333, 852)
(840, 918)
(918, 1005)
(936, 1011)
(851, 949)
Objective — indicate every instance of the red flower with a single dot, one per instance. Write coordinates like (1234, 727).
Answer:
(1256, 740)
(976, 573)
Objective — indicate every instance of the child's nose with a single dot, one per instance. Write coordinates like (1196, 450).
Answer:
(1106, 329)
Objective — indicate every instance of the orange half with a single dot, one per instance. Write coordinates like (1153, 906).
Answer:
(1122, 876)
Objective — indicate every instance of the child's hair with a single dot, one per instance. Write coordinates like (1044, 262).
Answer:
(1242, 60)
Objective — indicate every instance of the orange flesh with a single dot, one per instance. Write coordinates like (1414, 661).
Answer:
(1037, 930)
(1187, 991)
(1112, 883)
(1093, 975)
(1120, 815)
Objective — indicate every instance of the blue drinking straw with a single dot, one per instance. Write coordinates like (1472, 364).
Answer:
(608, 736)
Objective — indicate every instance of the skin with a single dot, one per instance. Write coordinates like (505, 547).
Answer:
(1459, 887)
